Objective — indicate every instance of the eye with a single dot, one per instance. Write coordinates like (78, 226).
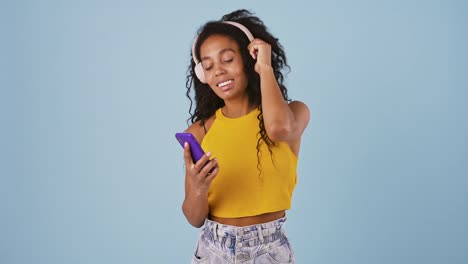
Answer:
(228, 60)
(207, 66)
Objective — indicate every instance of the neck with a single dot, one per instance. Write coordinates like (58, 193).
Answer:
(235, 109)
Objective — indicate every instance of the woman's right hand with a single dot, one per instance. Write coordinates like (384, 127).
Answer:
(198, 176)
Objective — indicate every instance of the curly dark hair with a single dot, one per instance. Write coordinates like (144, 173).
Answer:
(206, 101)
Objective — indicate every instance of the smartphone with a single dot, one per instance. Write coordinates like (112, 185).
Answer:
(195, 148)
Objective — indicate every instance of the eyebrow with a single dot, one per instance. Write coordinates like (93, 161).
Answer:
(220, 53)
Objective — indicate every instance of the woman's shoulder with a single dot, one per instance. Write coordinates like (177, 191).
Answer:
(298, 105)
(201, 127)
(300, 110)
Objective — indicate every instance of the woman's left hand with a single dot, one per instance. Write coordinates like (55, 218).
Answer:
(261, 51)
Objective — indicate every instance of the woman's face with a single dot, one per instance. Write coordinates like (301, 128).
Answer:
(223, 66)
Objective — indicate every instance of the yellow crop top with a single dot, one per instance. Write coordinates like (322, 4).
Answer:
(240, 189)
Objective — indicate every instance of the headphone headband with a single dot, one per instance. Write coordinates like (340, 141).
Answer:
(236, 24)
(198, 67)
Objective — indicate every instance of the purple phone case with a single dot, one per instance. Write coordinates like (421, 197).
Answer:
(195, 148)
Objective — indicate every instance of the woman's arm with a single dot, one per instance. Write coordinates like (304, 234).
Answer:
(198, 179)
(283, 121)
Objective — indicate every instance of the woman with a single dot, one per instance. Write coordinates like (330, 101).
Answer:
(239, 190)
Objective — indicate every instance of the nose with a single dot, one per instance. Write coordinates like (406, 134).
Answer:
(219, 69)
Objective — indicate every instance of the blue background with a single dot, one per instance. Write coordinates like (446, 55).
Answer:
(93, 92)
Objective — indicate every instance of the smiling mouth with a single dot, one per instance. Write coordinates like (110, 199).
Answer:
(225, 83)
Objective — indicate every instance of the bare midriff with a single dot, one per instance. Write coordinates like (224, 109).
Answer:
(249, 220)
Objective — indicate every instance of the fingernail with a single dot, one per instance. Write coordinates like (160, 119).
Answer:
(185, 144)
(208, 154)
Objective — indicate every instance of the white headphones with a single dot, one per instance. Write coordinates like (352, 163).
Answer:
(198, 66)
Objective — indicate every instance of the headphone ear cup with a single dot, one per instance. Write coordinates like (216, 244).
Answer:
(200, 73)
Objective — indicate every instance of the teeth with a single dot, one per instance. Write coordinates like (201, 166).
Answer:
(224, 83)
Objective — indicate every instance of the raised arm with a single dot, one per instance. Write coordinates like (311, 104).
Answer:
(283, 121)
